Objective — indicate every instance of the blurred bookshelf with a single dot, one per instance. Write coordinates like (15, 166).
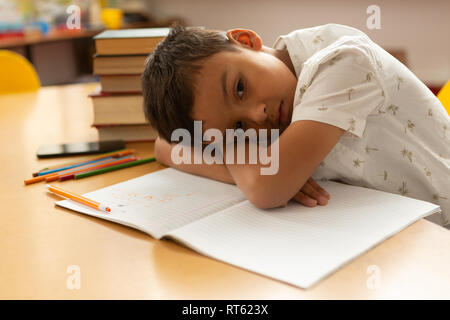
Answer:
(38, 31)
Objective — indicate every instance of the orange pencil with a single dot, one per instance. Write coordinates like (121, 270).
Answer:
(78, 198)
(115, 154)
(39, 178)
(101, 164)
(119, 153)
(53, 174)
(71, 175)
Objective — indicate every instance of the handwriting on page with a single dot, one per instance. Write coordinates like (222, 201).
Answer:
(146, 200)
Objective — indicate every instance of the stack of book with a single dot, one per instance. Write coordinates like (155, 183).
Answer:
(118, 102)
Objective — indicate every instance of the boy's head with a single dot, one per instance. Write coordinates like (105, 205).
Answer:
(227, 80)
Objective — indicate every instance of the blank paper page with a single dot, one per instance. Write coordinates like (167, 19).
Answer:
(160, 201)
(301, 245)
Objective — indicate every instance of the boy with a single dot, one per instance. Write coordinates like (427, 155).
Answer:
(346, 110)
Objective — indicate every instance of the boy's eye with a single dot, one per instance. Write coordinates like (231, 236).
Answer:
(238, 125)
(240, 88)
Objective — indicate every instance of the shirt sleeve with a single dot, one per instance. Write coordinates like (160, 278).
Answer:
(342, 91)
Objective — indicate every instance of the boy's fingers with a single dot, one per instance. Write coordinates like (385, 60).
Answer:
(304, 199)
(312, 192)
(319, 188)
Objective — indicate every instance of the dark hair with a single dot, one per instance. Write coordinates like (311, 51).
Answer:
(169, 76)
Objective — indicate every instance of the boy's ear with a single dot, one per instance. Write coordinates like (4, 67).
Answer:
(245, 38)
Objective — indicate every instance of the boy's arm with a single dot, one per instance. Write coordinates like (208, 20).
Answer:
(309, 194)
(302, 146)
(163, 151)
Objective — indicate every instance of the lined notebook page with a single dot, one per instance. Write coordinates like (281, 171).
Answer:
(301, 245)
(160, 201)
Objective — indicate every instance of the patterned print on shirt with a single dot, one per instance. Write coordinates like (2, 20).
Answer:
(393, 109)
(410, 126)
(349, 91)
(384, 175)
(407, 153)
(317, 39)
(381, 111)
(370, 149)
(303, 89)
(436, 197)
(399, 80)
(403, 189)
(380, 66)
(352, 122)
(357, 163)
(333, 60)
(428, 174)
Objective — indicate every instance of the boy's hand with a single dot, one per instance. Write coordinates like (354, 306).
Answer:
(311, 194)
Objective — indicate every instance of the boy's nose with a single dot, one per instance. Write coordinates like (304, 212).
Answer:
(258, 114)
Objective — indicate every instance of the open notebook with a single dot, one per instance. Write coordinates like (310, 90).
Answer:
(296, 244)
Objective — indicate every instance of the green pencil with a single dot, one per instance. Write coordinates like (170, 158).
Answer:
(113, 168)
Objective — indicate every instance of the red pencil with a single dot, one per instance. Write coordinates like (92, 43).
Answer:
(72, 175)
(56, 175)
(115, 154)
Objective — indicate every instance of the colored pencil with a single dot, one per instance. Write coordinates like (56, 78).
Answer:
(45, 176)
(78, 198)
(100, 156)
(113, 168)
(38, 178)
(117, 154)
(78, 165)
(95, 165)
(109, 164)
(69, 163)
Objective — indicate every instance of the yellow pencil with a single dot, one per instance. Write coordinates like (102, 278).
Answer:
(78, 198)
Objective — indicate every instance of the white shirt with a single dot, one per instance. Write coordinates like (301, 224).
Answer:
(397, 135)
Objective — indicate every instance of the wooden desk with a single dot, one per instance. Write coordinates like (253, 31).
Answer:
(38, 241)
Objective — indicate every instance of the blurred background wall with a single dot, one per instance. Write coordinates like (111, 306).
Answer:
(420, 27)
(417, 32)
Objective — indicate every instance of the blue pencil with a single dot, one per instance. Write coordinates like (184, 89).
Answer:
(72, 166)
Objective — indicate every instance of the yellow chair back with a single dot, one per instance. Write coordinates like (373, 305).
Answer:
(444, 96)
(17, 73)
